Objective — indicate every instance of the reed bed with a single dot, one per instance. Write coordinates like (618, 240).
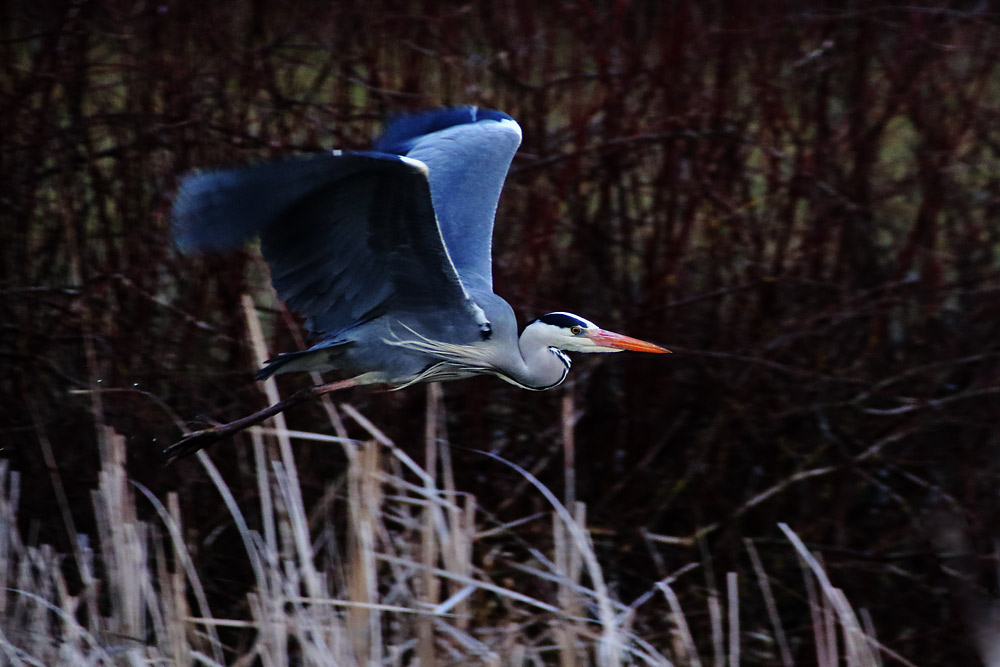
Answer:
(415, 573)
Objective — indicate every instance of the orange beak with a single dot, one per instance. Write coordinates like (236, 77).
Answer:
(616, 341)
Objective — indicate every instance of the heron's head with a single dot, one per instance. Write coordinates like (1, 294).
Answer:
(572, 333)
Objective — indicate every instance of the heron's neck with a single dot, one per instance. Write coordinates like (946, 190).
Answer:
(544, 367)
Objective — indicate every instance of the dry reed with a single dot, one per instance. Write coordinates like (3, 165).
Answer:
(371, 596)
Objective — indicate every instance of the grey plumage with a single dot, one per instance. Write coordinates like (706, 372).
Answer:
(388, 254)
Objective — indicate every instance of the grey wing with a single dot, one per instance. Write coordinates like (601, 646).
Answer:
(468, 159)
(348, 237)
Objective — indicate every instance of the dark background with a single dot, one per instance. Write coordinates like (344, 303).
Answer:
(800, 202)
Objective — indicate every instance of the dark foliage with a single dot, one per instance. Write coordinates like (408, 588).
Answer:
(802, 203)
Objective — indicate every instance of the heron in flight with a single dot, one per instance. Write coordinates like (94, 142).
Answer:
(387, 254)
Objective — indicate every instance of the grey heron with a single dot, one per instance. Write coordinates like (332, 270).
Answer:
(387, 254)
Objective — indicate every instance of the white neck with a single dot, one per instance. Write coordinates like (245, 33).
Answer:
(544, 366)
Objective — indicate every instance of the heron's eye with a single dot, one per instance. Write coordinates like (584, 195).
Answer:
(576, 331)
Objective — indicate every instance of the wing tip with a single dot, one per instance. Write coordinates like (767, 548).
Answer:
(192, 212)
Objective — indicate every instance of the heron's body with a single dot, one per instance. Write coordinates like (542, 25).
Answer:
(387, 254)
(393, 352)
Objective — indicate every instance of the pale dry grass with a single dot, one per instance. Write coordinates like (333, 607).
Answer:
(413, 580)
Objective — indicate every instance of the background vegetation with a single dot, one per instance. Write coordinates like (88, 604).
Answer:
(800, 202)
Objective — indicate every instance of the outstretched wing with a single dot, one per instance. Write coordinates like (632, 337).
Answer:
(468, 152)
(348, 236)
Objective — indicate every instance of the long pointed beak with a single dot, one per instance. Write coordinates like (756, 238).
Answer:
(617, 341)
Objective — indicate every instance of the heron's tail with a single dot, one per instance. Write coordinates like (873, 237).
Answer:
(320, 357)
(289, 362)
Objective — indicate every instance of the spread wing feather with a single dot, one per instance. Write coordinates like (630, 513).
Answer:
(468, 151)
(347, 236)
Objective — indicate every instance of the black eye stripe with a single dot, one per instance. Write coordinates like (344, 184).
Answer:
(562, 320)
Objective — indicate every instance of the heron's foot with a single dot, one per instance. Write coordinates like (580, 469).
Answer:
(193, 442)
